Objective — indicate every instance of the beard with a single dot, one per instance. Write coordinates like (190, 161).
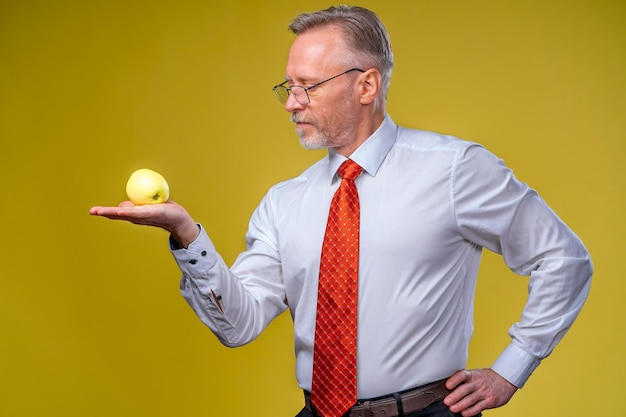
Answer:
(333, 131)
(318, 139)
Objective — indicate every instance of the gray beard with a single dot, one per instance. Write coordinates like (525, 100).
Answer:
(318, 141)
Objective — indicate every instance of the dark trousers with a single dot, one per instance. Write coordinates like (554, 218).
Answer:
(437, 409)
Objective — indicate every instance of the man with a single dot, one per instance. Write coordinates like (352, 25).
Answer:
(426, 205)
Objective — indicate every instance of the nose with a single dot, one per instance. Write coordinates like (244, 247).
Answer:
(292, 105)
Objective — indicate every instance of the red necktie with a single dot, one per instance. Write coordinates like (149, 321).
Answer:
(334, 351)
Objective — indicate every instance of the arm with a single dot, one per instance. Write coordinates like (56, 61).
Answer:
(236, 303)
(502, 214)
(236, 306)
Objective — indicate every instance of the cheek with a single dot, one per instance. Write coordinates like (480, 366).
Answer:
(330, 112)
(318, 116)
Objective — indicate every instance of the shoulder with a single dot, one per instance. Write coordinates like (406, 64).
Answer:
(460, 155)
(426, 145)
(425, 140)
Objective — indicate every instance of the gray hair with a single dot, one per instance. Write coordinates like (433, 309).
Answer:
(364, 33)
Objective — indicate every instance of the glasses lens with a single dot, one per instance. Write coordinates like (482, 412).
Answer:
(282, 94)
(300, 94)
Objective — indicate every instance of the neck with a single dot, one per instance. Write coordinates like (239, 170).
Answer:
(364, 130)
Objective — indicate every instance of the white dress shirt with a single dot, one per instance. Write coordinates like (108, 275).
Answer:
(429, 204)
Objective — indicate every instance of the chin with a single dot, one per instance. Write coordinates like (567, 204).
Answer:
(314, 140)
(311, 144)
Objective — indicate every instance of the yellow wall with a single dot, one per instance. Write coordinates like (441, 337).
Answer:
(91, 320)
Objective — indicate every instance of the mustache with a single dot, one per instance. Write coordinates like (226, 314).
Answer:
(299, 118)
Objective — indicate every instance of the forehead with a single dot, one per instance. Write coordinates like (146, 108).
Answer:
(316, 53)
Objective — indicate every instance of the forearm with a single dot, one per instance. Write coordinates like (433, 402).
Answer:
(235, 306)
(558, 290)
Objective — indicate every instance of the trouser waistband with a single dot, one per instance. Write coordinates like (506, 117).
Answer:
(396, 404)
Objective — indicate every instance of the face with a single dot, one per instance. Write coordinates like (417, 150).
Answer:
(330, 119)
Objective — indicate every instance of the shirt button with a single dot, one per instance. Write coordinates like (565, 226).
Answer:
(193, 261)
(203, 253)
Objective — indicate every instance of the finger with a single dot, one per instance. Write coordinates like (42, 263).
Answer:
(100, 210)
(461, 397)
(462, 403)
(474, 410)
(458, 378)
(114, 213)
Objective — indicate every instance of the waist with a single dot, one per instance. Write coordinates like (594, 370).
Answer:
(396, 404)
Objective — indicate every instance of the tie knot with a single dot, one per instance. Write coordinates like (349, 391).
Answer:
(349, 170)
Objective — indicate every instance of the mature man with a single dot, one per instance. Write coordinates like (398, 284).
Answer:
(381, 286)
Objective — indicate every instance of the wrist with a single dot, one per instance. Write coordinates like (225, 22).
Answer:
(183, 236)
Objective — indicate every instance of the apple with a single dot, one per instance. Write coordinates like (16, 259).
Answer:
(146, 186)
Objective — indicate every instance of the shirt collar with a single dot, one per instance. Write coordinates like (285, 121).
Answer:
(371, 154)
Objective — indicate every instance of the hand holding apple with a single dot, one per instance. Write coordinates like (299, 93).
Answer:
(146, 186)
(149, 205)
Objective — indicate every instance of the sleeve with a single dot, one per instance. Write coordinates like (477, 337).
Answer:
(236, 303)
(504, 215)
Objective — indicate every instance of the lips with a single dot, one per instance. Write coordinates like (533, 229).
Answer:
(297, 119)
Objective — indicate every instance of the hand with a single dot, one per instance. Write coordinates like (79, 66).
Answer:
(477, 390)
(169, 216)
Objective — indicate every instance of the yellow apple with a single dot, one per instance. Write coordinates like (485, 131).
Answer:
(146, 186)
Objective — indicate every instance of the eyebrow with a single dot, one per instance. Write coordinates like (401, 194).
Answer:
(304, 81)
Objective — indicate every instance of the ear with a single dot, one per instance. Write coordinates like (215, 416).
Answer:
(369, 86)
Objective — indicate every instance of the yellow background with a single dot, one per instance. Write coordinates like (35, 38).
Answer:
(91, 320)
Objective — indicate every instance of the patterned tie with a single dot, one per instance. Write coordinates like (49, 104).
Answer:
(334, 351)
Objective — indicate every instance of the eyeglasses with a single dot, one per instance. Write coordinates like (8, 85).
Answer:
(299, 92)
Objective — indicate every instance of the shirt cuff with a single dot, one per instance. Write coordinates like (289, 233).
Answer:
(515, 365)
(199, 256)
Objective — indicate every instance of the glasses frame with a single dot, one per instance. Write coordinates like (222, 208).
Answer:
(289, 90)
